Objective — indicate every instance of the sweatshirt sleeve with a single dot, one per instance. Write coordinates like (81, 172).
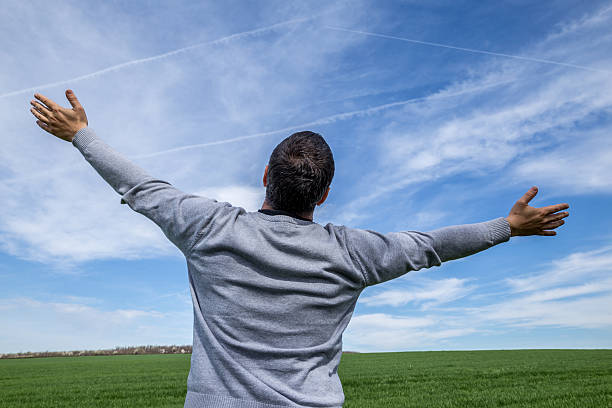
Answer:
(181, 216)
(382, 257)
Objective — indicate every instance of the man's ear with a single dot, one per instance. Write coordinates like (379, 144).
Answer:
(265, 177)
(324, 197)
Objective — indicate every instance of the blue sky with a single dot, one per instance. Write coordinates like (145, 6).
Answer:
(424, 136)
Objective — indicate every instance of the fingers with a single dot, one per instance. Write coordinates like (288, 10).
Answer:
(553, 224)
(547, 233)
(43, 126)
(528, 195)
(40, 108)
(554, 208)
(554, 221)
(39, 116)
(555, 217)
(50, 104)
(73, 99)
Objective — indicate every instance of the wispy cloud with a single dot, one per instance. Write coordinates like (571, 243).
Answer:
(452, 47)
(571, 269)
(583, 169)
(70, 325)
(318, 122)
(247, 197)
(582, 312)
(131, 63)
(384, 332)
(574, 291)
(423, 292)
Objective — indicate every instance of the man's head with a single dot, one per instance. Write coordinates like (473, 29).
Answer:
(299, 173)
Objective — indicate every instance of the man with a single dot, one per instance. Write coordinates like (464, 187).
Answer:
(272, 290)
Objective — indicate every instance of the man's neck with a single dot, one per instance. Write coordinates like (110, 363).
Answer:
(266, 206)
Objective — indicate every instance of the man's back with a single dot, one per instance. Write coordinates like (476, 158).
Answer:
(272, 295)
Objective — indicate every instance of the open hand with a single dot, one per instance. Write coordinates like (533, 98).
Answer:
(57, 120)
(526, 220)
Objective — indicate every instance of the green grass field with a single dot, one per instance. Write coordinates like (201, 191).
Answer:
(525, 378)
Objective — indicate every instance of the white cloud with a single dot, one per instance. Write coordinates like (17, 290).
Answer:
(574, 268)
(583, 169)
(424, 292)
(384, 321)
(574, 291)
(247, 197)
(585, 312)
(384, 332)
(77, 326)
(128, 64)
(61, 226)
(571, 291)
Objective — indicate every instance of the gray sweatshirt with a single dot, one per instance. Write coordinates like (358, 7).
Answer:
(272, 294)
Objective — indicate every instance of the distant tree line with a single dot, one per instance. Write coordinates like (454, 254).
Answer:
(109, 352)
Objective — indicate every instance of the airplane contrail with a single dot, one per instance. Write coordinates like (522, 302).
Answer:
(497, 54)
(153, 58)
(317, 122)
(325, 120)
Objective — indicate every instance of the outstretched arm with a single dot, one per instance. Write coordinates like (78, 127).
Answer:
(382, 257)
(180, 215)
(71, 125)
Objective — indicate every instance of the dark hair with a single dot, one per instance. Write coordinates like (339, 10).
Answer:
(300, 170)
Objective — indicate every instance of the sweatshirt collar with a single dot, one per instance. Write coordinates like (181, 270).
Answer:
(281, 212)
